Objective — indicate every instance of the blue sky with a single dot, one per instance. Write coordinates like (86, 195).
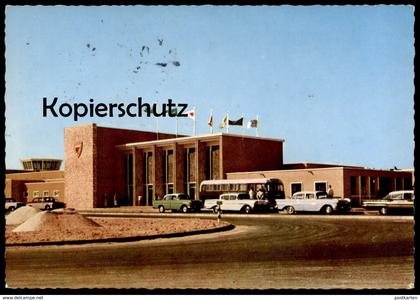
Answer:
(336, 82)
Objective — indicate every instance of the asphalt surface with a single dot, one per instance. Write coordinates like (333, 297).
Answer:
(271, 251)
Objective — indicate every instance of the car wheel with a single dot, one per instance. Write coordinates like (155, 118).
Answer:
(290, 210)
(328, 210)
(11, 208)
(246, 209)
(161, 209)
(184, 209)
(47, 207)
(383, 210)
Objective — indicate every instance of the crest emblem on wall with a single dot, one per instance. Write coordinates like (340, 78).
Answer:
(78, 149)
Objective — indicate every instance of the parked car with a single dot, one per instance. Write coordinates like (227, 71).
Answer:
(11, 204)
(316, 201)
(235, 202)
(177, 202)
(398, 201)
(46, 203)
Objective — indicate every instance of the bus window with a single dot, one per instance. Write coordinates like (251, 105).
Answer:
(212, 189)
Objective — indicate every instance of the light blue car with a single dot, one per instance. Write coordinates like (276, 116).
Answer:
(317, 201)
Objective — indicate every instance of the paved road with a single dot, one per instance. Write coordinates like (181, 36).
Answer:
(263, 252)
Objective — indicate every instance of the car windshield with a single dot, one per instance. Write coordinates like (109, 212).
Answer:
(243, 196)
(183, 196)
(395, 196)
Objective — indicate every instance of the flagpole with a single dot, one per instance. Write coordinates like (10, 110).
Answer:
(227, 125)
(256, 128)
(195, 122)
(157, 121)
(211, 118)
(157, 127)
(176, 125)
(243, 128)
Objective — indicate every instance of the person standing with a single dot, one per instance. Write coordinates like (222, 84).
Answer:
(330, 191)
(260, 194)
(251, 193)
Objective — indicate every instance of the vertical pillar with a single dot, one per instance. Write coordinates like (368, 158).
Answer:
(221, 175)
(157, 172)
(178, 168)
(137, 176)
(200, 164)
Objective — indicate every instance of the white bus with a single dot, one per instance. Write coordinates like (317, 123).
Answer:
(211, 189)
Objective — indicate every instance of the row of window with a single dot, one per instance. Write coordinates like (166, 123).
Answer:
(55, 193)
(377, 186)
(41, 165)
(189, 167)
(298, 186)
(225, 187)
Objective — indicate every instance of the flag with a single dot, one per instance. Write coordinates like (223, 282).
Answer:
(238, 122)
(224, 122)
(211, 120)
(191, 114)
(252, 124)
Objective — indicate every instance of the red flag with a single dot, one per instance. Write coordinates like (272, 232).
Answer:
(191, 114)
(211, 120)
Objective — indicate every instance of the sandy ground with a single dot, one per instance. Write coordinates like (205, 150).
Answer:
(50, 230)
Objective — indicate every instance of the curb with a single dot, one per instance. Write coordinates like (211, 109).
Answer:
(127, 239)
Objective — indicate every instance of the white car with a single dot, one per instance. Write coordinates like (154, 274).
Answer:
(398, 201)
(317, 201)
(232, 202)
(11, 204)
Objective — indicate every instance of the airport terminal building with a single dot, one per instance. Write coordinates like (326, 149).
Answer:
(103, 166)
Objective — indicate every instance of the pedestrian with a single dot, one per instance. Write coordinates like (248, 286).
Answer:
(251, 193)
(330, 192)
(105, 199)
(115, 200)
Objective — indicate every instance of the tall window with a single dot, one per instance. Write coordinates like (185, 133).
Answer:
(168, 174)
(363, 182)
(129, 188)
(295, 187)
(408, 185)
(353, 185)
(212, 162)
(372, 187)
(321, 186)
(398, 183)
(147, 198)
(189, 171)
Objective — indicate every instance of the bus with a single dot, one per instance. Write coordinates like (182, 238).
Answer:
(212, 189)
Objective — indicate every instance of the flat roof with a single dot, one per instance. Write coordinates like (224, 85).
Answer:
(193, 138)
(40, 158)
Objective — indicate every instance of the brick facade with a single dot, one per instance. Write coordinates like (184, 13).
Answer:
(105, 163)
(93, 178)
(355, 183)
(20, 185)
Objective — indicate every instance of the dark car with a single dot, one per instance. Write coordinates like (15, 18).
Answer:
(46, 203)
(11, 204)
